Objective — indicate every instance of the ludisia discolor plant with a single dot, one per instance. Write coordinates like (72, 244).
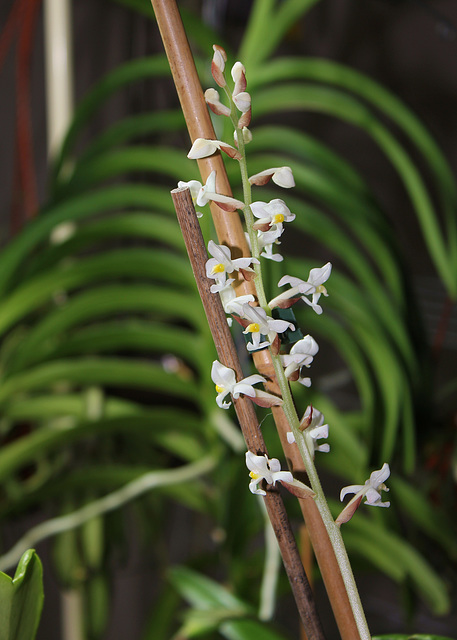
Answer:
(265, 224)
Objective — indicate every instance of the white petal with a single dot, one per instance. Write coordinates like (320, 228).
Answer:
(378, 477)
(284, 177)
(201, 149)
(282, 476)
(353, 488)
(222, 375)
(320, 275)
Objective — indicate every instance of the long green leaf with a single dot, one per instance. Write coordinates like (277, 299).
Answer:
(135, 224)
(114, 337)
(163, 160)
(132, 71)
(128, 263)
(101, 371)
(47, 439)
(110, 199)
(427, 582)
(336, 103)
(51, 334)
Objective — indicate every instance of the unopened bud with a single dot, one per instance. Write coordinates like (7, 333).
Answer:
(247, 135)
(213, 102)
(239, 78)
(242, 101)
(218, 65)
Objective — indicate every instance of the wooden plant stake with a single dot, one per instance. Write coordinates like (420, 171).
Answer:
(230, 232)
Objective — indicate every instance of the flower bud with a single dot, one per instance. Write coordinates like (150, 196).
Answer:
(239, 78)
(213, 102)
(245, 119)
(218, 65)
(242, 101)
(247, 136)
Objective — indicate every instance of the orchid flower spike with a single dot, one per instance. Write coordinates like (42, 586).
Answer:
(263, 468)
(221, 263)
(314, 429)
(261, 324)
(203, 148)
(371, 490)
(301, 288)
(272, 215)
(301, 355)
(282, 176)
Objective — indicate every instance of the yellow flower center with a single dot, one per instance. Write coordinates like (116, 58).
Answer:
(279, 217)
(218, 268)
(254, 475)
(321, 289)
(253, 327)
(219, 389)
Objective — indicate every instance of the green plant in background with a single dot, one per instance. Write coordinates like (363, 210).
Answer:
(105, 349)
(21, 599)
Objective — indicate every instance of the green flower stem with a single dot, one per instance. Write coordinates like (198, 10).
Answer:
(290, 411)
(332, 529)
(247, 198)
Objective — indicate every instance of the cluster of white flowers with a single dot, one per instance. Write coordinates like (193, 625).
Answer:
(269, 221)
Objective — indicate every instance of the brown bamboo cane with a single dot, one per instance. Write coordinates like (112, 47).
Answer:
(246, 414)
(230, 231)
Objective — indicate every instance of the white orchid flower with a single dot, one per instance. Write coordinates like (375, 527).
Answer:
(208, 193)
(282, 176)
(203, 148)
(271, 216)
(233, 303)
(314, 286)
(225, 382)
(202, 194)
(301, 355)
(266, 240)
(313, 429)
(263, 468)
(221, 263)
(261, 324)
(371, 490)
